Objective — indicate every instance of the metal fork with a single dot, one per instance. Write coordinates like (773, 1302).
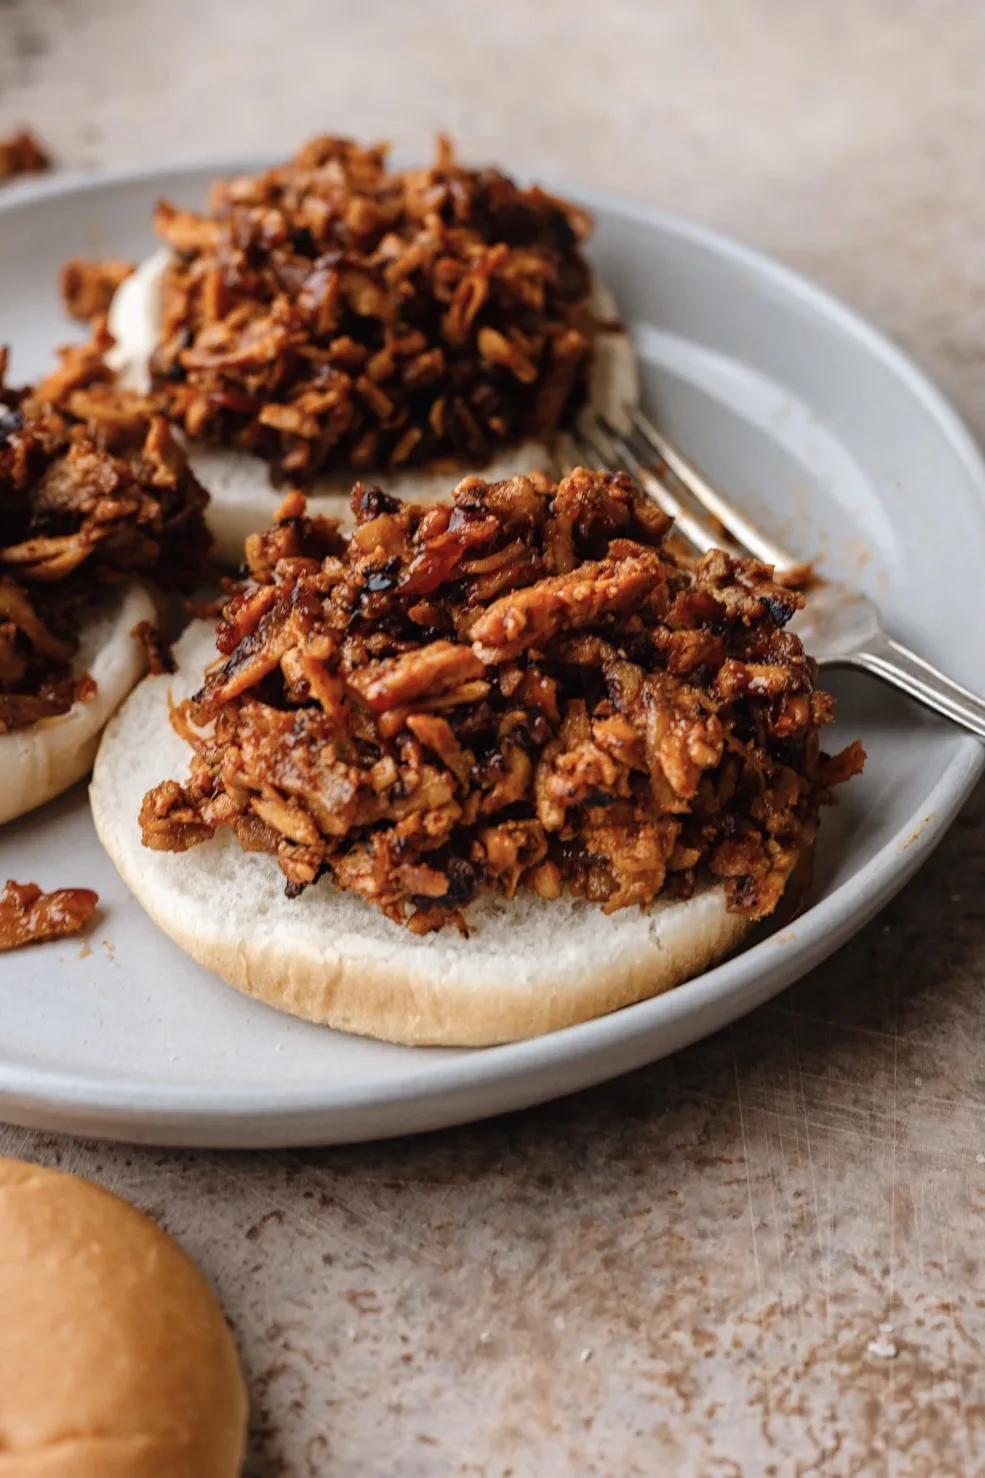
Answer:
(839, 627)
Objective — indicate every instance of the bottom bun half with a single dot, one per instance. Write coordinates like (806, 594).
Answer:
(39, 762)
(527, 967)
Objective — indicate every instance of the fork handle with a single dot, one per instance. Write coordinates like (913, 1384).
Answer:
(897, 665)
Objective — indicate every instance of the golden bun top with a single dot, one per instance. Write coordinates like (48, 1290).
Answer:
(115, 1359)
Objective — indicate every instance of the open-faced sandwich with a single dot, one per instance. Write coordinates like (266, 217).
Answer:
(478, 771)
(96, 499)
(333, 318)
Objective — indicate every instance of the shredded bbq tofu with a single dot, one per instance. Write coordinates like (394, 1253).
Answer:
(22, 154)
(522, 688)
(92, 494)
(157, 647)
(28, 916)
(332, 313)
(88, 287)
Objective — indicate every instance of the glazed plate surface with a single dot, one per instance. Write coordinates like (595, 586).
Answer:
(822, 429)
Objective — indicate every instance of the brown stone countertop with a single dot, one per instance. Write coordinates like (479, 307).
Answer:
(764, 1256)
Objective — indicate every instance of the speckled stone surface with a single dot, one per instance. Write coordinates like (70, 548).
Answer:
(765, 1256)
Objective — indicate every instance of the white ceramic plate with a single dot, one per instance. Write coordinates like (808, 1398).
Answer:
(827, 434)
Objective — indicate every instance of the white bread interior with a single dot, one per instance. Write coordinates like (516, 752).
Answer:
(39, 762)
(528, 966)
(115, 1359)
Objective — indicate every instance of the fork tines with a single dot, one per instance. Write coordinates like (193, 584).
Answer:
(666, 474)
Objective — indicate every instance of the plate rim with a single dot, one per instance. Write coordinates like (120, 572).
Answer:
(29, 1093)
